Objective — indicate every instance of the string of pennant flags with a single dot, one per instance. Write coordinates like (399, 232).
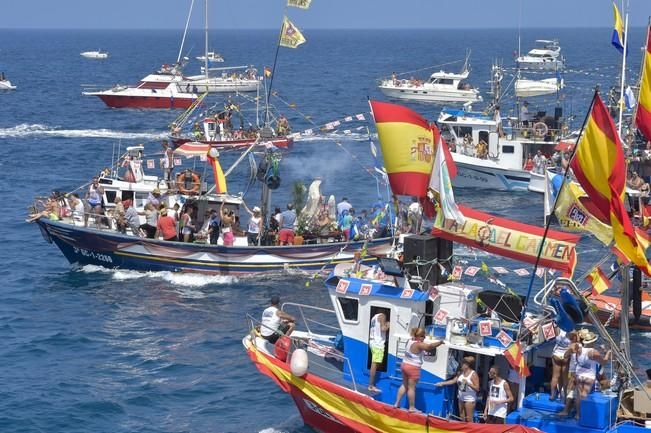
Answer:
(332, 126)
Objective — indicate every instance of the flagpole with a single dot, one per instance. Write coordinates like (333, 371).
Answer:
(566, 176)
(621, 87)
(273, 69)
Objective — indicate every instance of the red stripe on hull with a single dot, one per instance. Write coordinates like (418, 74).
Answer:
(117, 101)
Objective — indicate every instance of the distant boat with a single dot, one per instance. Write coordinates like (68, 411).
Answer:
(95, 54)
(440, 87)
(5, 84)
(159, 90)
(529, 88)
(212, 56)
(545, 56)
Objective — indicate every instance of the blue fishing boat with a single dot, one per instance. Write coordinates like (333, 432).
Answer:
(325, 363)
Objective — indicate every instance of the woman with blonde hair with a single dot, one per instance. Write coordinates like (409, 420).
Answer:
(411, 365)
(468, 386)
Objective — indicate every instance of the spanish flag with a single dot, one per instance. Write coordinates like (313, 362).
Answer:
(619, 37)
(290, 36)
(218, 174)
(600, 168)
(643, 116)
(407, 143)
(516, 358)
(599, 281)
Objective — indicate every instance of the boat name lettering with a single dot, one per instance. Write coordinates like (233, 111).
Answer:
(97, 256)
(511, 239)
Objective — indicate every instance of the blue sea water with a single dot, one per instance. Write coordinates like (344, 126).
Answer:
(94, 350)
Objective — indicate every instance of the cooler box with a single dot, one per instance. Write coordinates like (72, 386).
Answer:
(540, 401)
(436, 330)
(598, 411)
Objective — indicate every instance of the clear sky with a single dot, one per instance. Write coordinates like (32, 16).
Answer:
(329, 14)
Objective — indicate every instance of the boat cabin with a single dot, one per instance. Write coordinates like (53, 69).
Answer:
(447, 311)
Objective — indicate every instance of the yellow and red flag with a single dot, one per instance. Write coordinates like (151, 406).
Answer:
(407, 143)
(516, 358)
(218, 174)
(599, 281)
(290, 35)
(600, 168)
(267, 72)
(643, 116)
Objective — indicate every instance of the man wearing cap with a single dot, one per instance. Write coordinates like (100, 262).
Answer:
(255, 225)
(275, 322)
(287, 220)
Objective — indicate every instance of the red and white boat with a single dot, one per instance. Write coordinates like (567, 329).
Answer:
(159, 90)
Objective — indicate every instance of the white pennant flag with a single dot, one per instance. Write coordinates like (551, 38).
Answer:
(440, 182)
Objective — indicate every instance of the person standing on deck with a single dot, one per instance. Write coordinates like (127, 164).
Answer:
(377, 343)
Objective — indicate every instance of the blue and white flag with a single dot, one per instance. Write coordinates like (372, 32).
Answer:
(377, 165)
(629, 98)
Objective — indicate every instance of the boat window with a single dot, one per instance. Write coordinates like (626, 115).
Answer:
(153, 85)
(110, 196)
(127, 195)
(349, 308)
(461, 131)
(446, 81)
(508, 149)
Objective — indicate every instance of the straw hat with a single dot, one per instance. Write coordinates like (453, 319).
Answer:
(587, 337)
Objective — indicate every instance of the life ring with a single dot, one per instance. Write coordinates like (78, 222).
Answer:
(180, 183)
(540, 129)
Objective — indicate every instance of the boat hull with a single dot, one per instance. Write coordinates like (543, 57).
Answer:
(477, 176)
(609, 310)
(428, 95)
(218, 86)
(6, 85)
(85, 246)
(540, 65)
(331, 408)
(122, 101)
(282, 143)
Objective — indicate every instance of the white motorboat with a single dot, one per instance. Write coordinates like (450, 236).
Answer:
(6, 84)
(440, 87)
(545, 56)
(159, 90)
(525, 88)
(99, 54)
(487, 161)
(212, 57)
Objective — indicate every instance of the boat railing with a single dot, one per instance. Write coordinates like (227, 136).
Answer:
(338, 370)
(307, 321)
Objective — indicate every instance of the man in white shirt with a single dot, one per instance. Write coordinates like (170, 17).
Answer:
(275, 322)
(377, 342)
(342, 206)
(539, 163)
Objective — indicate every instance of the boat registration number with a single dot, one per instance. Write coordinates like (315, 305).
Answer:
(92, 254)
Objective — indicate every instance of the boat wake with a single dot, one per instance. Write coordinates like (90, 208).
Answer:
(25, 130)
(184, 280)
(333, 136)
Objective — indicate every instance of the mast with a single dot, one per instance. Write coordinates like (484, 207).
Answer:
(205, 55)
(187, 23)
(625, 302)
(621, 87)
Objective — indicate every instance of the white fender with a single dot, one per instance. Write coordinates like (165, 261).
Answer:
(299, 363)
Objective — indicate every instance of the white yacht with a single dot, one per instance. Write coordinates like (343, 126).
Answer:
(487, 161)
(440, 87)
(211, 57)
(228, 81)
(5, 84)
(545, 56)
(99, 54)
(525, 88)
